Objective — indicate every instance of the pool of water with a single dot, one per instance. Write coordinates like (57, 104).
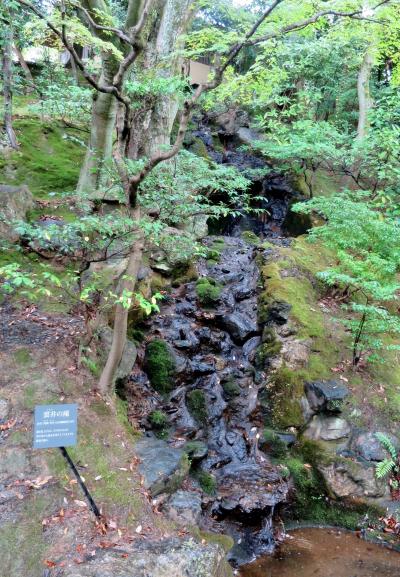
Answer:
(326, 553)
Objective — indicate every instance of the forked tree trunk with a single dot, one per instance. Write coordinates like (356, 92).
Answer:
(7, 85)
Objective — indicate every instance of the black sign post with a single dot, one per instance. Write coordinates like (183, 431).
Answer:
(57, 426)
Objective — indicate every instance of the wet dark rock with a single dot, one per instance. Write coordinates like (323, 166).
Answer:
(242, 490)
(239, 326)
(326, 395)
(365, 445)
(184, 507)
(163, 467)
(201, 368)
(185, 308)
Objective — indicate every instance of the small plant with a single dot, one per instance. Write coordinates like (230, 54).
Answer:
(208, 291)
(389, 467)
(207, 482)
(158, 419)
(231, 388)
(273, 444)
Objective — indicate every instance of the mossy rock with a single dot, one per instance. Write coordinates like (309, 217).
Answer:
(285, 391)
(208, 291)
(199, 148)
(190, 274)
(251, 238)
(272, 444)
(231, 388)
(270, 347)
(160, 366)
(197, 405)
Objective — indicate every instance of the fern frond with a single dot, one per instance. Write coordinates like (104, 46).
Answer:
(383, 468)
(387, 444)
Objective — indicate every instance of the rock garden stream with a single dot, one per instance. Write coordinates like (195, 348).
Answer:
(195, 391)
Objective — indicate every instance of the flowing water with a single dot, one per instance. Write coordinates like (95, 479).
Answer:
(326, 553)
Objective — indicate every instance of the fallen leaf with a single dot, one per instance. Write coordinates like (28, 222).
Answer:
(138, 529)
(38, 482)
(8, 425)
(80, 503)
(49, 563)
(124, 555)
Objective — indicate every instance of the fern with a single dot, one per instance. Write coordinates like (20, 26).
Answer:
(387, 444)
(384, 468)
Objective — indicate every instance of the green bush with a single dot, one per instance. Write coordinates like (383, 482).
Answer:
(158, 419)
(273, 444)
(208, 291)
(231, 388)
(160, 366)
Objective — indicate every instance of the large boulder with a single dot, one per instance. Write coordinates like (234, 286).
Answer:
(184, 507)
(327, 428)
(348, 478)
(15, 202)
(163, 467)
(167, 558)
(326, 396)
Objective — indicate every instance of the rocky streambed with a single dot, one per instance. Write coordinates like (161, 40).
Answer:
(197, 382)
(208, 334)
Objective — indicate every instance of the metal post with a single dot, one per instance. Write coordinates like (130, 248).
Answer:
(88, 496)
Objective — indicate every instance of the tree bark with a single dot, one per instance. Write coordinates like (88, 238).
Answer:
(365, 101)
(8, 37)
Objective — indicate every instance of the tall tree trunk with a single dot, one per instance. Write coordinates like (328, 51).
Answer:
(27, 71)
(7, 84)
(148, 132)
(121, 315)
(365, 101)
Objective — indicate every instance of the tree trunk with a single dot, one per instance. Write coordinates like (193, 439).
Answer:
(100, 143)
(27, 71)
(107, 377)
(364, 98)
(7, 85)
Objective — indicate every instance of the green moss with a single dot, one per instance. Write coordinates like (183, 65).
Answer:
(22, 550)
(225, 541)
(47, 160)
(160, 366)
(285, 389)
(231, 388)
(121, 406)
(199, 148)
(208, 291)
(250, 237)
(196, 402)
(190, 274)
(207, 482)
(23, 357)
(270, 347)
